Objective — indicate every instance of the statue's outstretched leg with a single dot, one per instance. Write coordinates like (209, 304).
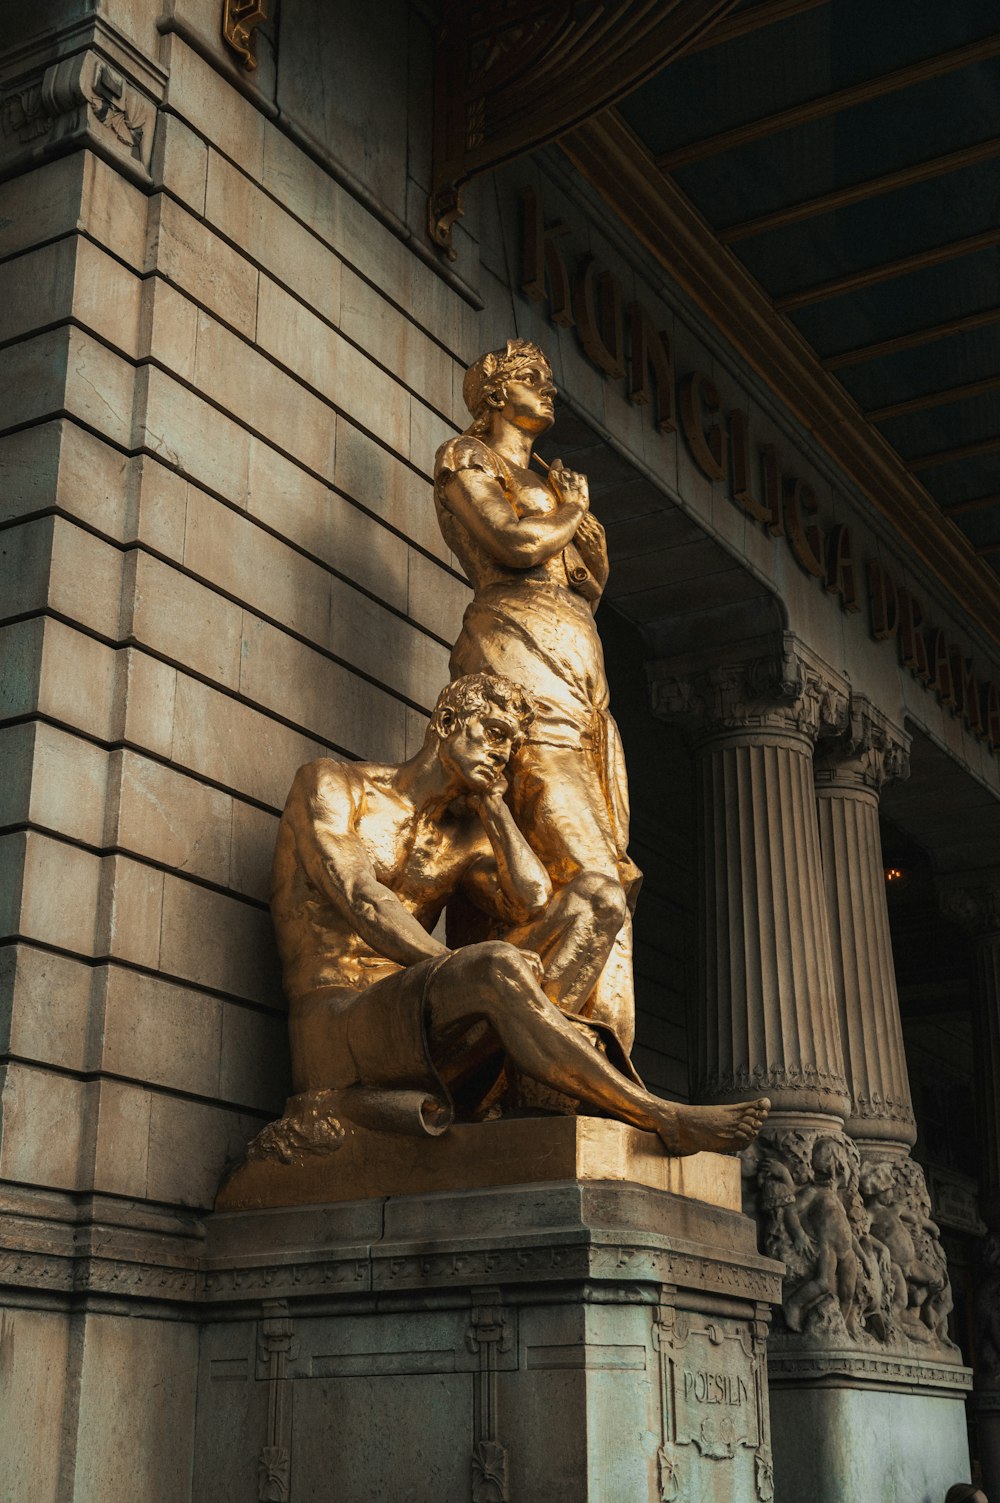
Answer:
(499, 983)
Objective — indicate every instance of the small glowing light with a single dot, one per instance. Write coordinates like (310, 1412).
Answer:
(893, 874)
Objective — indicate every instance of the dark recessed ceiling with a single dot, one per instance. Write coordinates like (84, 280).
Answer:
(849, 155)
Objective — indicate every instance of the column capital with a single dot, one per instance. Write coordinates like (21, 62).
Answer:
(787, 690)
(868, 753)
(972, 900)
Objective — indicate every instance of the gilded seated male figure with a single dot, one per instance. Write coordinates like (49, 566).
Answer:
(381, 1012)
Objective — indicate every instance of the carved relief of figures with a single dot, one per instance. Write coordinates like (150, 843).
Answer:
(863, 1257)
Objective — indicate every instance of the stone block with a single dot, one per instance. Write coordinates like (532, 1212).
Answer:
(45, 1008)
(171, 819)
(170, 329)
(45, 1115)
(30, 462)
(99, 387)
(180, 162)
(26, 559)
(236, 745)
(183, 620)
(107, 298)
(157, 512)
(226, 549)
(270, 236)
(44, 204)
(131, 904)
(396, 342)
(386, 647)
(121, 1151)
(59, 894)
(188, 435)
(136, 1418)
(33, 1380)
(113, 211)
(215, 112)
(33, 382)
(435, 597)
(36, 289)
(428, 431)
(21, 645)
(85, 583)
(377, 480)
(254, 1067)
(254, 832)
(190, 1146)
(145, 692)
(77, 680)
(161, 1033)
(68, 785)
(184, 251)
(218, 942)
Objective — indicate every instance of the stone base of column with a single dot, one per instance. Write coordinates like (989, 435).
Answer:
(572, 1342)
(985, 1406)
(851, 1426)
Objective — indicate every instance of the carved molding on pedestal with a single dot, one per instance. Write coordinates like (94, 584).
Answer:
(81, 100)
(511, 77)
(788, 689)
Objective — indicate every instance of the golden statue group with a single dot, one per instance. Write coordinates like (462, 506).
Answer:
(512, 818)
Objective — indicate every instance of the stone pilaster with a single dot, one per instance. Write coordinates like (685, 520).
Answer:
(850, 772)
(767, 1010)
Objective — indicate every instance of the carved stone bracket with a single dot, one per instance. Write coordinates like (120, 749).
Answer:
(512, 76)
(81, 100)
(488, 1333)
(788, 689)
(240, 19)
(869, 752)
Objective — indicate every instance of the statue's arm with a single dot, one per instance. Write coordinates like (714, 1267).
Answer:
(478, 502)
(336, 862)
(510, 880)
(592, 548)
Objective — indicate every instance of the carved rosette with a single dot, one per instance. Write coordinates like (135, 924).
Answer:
(768, 1019)
(80, 101)
(850, 771)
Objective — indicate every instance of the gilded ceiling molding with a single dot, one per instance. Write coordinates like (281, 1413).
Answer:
(240, 19)
(512, 76)
(609, 155)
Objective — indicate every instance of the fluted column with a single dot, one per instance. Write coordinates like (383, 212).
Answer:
(850, 772)
(973, 900)
(767, 1007)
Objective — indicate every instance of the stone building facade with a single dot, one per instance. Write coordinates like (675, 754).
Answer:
(229, 353)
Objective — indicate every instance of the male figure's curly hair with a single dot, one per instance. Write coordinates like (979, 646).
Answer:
(484, 387)
(478, 693)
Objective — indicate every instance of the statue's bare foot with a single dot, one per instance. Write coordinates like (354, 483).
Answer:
(713, 1129)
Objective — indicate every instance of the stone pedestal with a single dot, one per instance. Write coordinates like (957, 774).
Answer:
(577, 1342)
(868, 1428)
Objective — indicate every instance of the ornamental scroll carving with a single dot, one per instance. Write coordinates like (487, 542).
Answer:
(79, 99)
(864, 1262)
(511, 77)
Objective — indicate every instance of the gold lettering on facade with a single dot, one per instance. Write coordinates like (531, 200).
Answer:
(707, 443)
(742, 484)
(542, 258)
(805, 538)
(841, 578)
(649, 347)
(597, 306)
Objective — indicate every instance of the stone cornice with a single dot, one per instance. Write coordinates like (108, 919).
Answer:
(613, 159)
(787, 690)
